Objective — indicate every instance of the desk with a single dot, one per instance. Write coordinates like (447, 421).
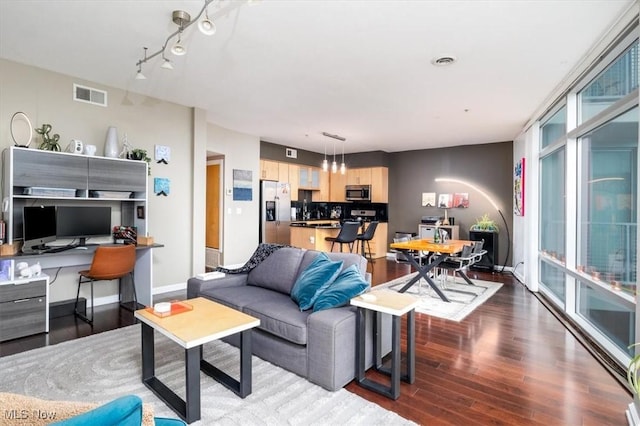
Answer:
(442, 250)
(143, 273)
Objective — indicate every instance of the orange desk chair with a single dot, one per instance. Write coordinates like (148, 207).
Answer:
(109, 263)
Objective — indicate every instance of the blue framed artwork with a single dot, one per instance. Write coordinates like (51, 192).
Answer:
(161, 186)
(242, 185)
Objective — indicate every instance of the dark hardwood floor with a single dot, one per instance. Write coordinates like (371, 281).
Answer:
(510, 362)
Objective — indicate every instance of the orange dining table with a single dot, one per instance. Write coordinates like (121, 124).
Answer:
(440, 251)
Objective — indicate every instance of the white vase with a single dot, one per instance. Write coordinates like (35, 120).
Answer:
(111, 148)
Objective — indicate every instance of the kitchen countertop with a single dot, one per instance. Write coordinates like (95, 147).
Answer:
(317, 223)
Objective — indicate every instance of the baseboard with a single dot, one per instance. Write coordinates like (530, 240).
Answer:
(63, 308)
(169, 288)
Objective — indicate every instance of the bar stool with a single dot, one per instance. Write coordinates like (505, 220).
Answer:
(366, 237)
(347, 235)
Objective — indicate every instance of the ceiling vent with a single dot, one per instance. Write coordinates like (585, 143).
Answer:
(89, 95)
(444, 60)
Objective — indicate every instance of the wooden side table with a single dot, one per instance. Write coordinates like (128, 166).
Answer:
(395, 304)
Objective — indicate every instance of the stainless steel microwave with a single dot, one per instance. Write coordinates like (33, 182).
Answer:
(358, 193)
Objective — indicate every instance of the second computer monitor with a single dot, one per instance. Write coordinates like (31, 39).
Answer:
(83, 222)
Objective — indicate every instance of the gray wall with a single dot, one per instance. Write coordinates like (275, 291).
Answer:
(488, 167)
(276, 152)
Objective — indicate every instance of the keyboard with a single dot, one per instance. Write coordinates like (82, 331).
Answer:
(59, 249)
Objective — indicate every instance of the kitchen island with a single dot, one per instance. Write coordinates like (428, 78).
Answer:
(311, 234)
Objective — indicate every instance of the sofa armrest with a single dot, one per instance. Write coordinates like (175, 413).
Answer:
(331, 347)
(195, 286)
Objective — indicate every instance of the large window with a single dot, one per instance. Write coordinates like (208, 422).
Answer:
(608, 218)
(617, 81)
(554, 128)
(552, 205)
(588, 198)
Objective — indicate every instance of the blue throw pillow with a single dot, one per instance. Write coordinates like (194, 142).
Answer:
(349, 284)
(320, 273)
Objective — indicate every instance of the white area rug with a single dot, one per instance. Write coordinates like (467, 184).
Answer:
(101, 367)
(463, 297)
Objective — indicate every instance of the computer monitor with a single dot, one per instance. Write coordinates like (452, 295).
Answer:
(38, 227)
(83, 222)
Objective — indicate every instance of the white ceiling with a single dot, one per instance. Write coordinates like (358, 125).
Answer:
(289, 70)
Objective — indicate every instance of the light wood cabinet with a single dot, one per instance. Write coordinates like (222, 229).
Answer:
(359, 176)
(309, 178)
(337, 183)
(379, 242)
(379, 185)
(294, 177)
(322, 195)
(269, 170)
(283, 172)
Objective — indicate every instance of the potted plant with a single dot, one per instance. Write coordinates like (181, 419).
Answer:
(139, 154)
(485, 224)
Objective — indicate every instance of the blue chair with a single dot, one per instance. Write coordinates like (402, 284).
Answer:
(124, 411)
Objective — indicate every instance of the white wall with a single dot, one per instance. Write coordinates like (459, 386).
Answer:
(46, 97)
(241, 218)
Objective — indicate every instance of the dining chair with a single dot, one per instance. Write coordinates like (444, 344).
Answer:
(366, 237)
(347, 235)
(109, 262)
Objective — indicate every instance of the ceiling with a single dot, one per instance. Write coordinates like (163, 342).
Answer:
(287, 71)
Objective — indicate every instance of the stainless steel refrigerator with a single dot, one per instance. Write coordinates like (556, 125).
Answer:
(275, 212)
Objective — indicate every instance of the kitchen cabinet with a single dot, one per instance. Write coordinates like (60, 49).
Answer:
(379, 185)
(293, 179)
(359, 176)
(283, 172)
(378, 244)
(269, 170)
(322, 195)
(309, 178)
(24, 307)
(337, 183)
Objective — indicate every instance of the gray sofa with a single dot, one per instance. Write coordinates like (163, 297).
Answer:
(317, 345)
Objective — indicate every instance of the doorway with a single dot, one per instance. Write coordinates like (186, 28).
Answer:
(213, 216)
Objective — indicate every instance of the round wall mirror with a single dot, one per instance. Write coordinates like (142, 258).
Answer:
(21, 129)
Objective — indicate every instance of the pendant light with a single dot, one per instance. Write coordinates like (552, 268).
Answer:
(325, 163)
(343, 167)
(334, 165)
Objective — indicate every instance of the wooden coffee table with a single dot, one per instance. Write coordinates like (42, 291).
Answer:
(207, 321)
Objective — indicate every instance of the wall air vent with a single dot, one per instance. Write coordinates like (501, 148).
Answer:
(89, 95)
(291, 153)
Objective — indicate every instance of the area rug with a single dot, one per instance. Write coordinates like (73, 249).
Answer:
(104, 366)
(463, 297)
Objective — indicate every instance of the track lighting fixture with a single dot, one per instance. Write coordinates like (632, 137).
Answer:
(184, 21)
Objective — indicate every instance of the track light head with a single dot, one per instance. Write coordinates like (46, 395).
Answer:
(207, 26)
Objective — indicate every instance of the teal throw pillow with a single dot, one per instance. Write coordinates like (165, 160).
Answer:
(320, 273)
(349, 284)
